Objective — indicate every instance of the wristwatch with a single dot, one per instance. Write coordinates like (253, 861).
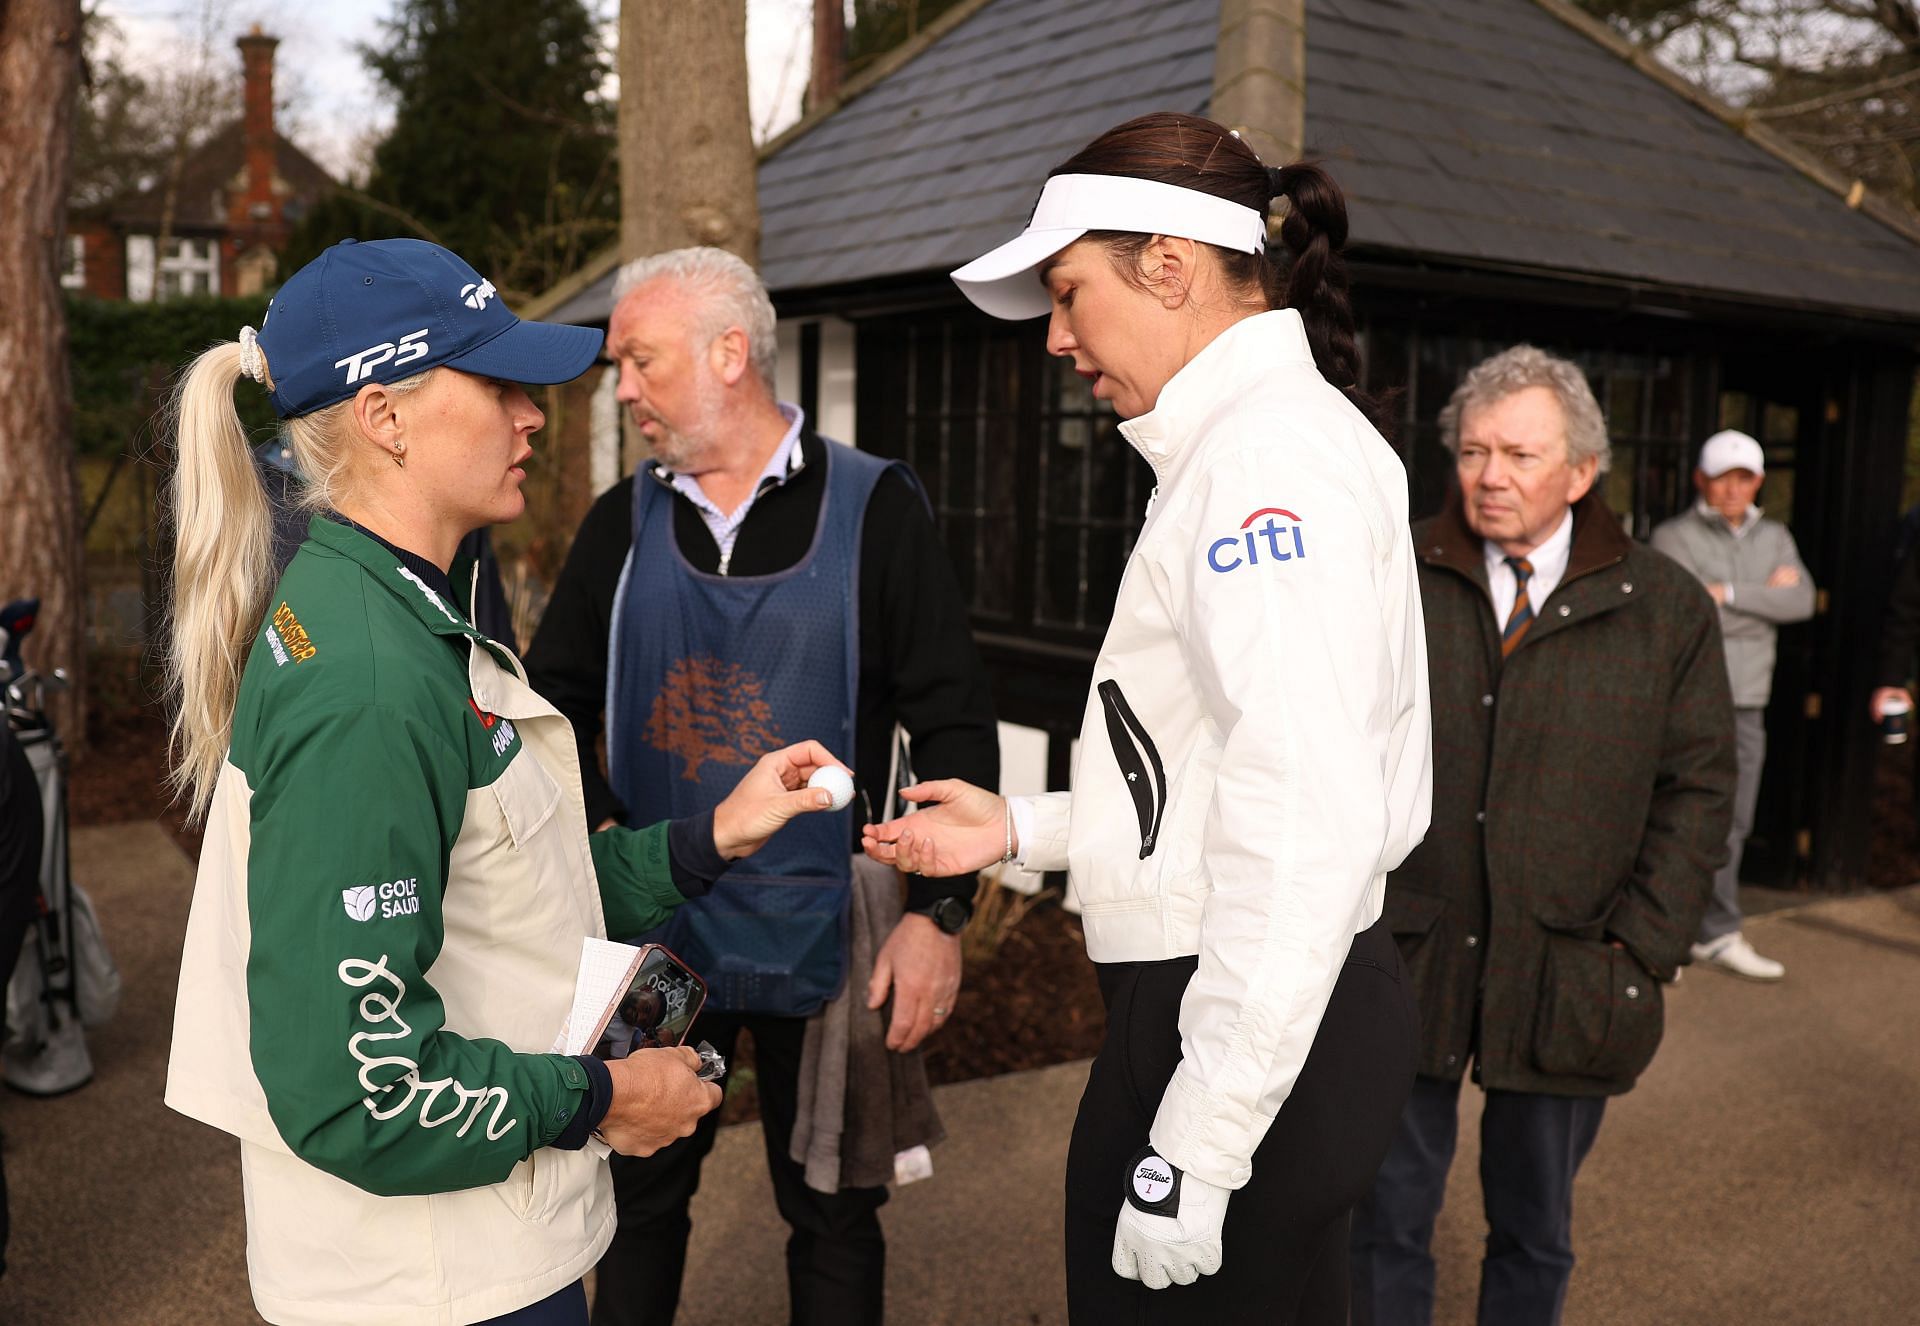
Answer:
(950, 914)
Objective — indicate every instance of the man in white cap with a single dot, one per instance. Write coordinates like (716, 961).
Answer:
(1752, 569)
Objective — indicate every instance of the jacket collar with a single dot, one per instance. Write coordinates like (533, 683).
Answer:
(1239, 356)
(438, 580)
(1598, 541)
(1713, 520)
(426, 603)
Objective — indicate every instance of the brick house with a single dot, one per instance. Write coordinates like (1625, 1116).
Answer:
(240, 195)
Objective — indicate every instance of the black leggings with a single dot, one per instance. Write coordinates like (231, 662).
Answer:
(1286, 1230)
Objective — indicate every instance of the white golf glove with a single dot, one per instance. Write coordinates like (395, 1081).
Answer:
(1169, 1230)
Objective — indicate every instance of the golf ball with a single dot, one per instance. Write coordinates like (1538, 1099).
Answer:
(837, 781)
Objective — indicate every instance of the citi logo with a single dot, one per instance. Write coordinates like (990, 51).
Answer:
(408, 348)
(476, 296)
(1280, 543)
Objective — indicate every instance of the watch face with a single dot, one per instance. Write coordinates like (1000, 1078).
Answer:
(951, 914)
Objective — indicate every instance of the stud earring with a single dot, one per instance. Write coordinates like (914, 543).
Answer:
(400, 454)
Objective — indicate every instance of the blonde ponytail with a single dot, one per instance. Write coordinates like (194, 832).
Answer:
(222, 570)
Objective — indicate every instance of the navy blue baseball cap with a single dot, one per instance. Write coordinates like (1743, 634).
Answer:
(390, 308)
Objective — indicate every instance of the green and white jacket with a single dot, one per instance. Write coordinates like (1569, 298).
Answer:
(386, 927)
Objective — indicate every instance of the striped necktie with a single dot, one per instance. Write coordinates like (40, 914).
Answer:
(1522, 615)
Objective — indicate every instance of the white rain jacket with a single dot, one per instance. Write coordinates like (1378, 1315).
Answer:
(1255, 753)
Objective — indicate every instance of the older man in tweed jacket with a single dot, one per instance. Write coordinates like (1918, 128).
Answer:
(1583, 780)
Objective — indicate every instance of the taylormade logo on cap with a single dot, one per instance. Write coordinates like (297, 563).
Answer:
(408, 348)
(391, 308)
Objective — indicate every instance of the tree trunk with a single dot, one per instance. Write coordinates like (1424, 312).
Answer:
(1259, 76)
(687, 164)
(39, 499)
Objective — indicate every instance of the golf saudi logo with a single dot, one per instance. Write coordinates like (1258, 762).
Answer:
(399, 897)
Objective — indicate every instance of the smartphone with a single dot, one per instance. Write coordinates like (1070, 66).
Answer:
(659, 1007)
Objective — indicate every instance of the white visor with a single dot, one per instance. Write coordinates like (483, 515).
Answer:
(1003, 283)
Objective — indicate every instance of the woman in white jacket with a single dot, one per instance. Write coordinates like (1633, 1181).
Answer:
(1255, 753)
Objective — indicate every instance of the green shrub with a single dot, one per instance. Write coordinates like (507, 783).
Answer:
(126, 357)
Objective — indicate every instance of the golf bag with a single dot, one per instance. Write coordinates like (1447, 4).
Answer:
(66, 979)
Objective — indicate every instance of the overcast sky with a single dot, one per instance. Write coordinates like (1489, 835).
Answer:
(330, 104)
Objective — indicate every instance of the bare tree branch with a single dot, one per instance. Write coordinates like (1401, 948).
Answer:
(1865, 138)
(539, 116)
(1839, 98)
(1898, 18)
(405, 218)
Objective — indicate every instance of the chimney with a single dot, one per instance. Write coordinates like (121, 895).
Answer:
(829, 52)
(256, 55)
(1260, 75)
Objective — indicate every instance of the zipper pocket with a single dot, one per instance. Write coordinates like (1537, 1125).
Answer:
(1134, 752)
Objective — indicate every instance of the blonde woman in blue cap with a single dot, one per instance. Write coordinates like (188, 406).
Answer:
(396, 875)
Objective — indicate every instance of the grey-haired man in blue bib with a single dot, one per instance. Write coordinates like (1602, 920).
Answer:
(754, 582)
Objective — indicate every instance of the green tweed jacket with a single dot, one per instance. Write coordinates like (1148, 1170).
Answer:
(1581, 801)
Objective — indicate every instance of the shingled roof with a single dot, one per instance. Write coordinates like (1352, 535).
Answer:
(1499, 132)
(1502, 133)
(206, 176)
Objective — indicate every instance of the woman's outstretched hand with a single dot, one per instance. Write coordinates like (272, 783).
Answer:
(959, 829)
(771, 793)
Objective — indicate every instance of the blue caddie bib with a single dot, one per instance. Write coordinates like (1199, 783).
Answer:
(705, 674)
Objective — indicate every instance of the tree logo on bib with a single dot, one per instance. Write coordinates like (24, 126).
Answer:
(710, 711)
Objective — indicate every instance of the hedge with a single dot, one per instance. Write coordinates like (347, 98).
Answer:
(126, 357)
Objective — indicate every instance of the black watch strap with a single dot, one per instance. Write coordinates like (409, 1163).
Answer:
(1153, 1183)
(951, 914)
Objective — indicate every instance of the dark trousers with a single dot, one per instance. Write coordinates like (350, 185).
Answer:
(566, 1307)
(836, 1257)
(22, 831)
(1286, 1231)
(1531, 1146)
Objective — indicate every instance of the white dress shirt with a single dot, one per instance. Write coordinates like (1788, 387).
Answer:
(1549, 566)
